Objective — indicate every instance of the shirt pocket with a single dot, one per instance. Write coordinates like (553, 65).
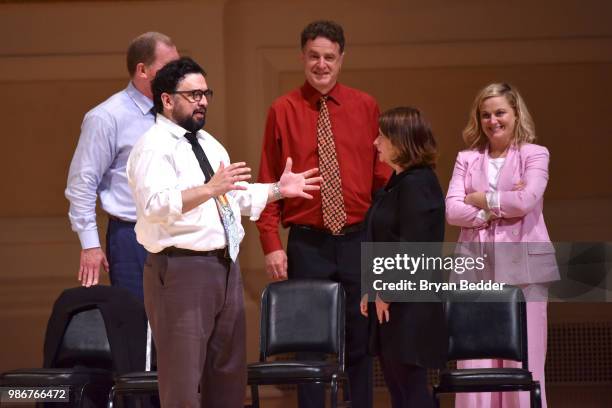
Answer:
(538, 248)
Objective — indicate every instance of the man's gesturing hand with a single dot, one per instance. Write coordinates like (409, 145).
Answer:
(225, 178)
(296, 184)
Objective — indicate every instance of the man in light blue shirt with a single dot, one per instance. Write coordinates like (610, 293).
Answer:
(98, 167)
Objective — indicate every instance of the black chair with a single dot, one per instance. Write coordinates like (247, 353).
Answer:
(301, 316)
(85, 342)
(487, 325)
(138, 382)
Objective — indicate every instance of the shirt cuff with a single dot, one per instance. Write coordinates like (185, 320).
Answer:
(270, 242)
(483, 215)
(259, 199)
(89, 239)
(492, 199)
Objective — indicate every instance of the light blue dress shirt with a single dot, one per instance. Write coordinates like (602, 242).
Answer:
(108, 133)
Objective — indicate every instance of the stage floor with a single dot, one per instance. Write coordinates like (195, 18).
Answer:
(559, 396)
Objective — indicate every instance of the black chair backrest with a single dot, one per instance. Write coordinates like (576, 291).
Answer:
(487, 325)
(302, 316)
(85, 342)
(111, 316)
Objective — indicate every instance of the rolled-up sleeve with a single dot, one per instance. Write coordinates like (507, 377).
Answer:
(154, 184)
(253, 200)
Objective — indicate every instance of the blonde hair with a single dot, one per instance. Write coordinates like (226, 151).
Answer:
(524, 131)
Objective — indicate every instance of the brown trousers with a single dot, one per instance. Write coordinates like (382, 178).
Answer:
(196, 311)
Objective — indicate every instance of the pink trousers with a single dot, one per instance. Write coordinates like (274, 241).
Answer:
(537, 321)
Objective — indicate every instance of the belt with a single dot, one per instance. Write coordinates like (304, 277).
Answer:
(174, 251)
(117, 219)
(347, 229)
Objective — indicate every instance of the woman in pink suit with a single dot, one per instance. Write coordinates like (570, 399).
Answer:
(496, 195)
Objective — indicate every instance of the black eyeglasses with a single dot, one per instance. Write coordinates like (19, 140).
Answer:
(196, 95)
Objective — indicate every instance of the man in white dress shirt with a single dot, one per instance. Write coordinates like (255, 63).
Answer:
(188, 219)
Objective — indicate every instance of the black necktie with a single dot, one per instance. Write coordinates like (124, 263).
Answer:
(225, 212)
(200, 155)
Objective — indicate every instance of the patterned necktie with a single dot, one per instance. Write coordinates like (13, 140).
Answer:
(334, 213)
(225, 211)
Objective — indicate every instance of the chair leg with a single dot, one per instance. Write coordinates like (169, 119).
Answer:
(536, 396)
(78, 395)
(111, 398)
(436, 397)
(346, 393)
(334, 392)
(254, 396)
(119, 397)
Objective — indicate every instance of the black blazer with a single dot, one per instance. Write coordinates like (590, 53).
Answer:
(409, 209)
(124, 318)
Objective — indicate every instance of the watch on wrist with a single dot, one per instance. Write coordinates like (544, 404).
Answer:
(276, 193)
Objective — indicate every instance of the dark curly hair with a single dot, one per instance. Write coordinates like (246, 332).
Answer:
(326, 29)
(167, 79)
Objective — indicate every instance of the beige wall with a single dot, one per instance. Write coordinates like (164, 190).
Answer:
(58, 59)
(436, 55)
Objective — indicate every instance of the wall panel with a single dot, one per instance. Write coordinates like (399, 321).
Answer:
(59, 59)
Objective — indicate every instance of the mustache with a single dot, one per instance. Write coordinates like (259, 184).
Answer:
(202, 111)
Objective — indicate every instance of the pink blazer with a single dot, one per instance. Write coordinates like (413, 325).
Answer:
(520, 213)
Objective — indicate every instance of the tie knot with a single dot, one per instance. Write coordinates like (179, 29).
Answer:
(323, 101)
(191, 137)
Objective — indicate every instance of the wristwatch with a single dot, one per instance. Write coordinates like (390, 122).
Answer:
(276, 193)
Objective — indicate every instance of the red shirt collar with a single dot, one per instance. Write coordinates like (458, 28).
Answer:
(312, 95)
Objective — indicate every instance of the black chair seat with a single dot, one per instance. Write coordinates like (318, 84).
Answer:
(49, 377)
(143, 380)
(292, 370)
(474, 377)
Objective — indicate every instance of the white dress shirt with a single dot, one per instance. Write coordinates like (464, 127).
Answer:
(160, 167)
(492, 196)
(107, 135)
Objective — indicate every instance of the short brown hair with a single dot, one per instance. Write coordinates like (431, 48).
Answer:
(524, 130)
(142, 49)
(411, 135)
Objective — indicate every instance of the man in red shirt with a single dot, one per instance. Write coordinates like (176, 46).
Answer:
(331, 126)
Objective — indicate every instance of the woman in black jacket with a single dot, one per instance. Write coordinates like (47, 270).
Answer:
(408, 337)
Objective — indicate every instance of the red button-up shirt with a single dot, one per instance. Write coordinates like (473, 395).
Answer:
(291, 131)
